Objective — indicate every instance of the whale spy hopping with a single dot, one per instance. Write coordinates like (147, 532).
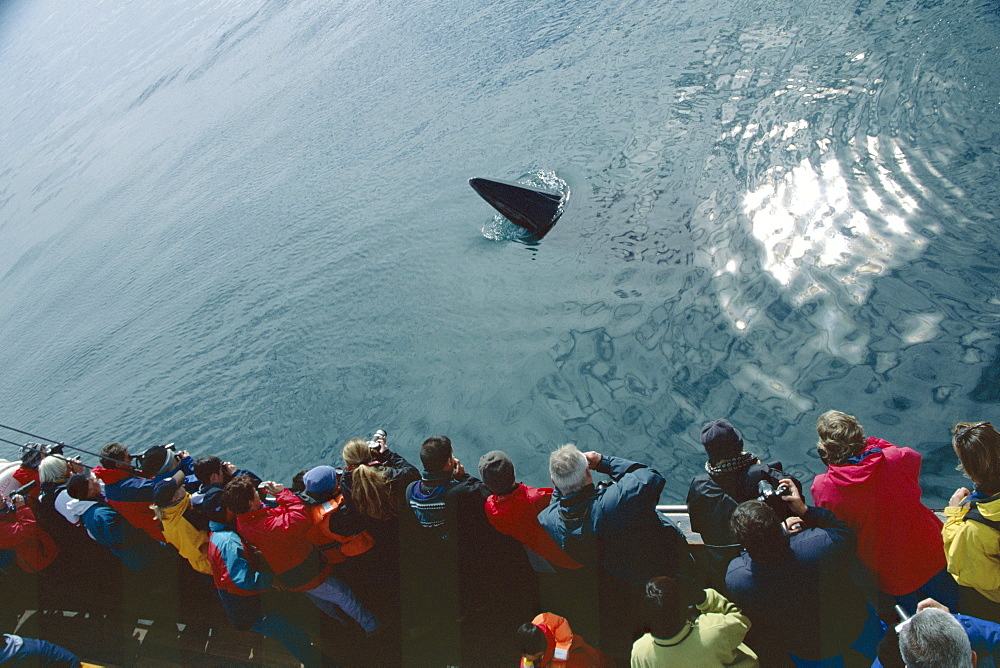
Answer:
(531, 208)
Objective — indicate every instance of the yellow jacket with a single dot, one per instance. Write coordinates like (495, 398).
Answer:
(973, 549)
(190, 543)
(715, 638)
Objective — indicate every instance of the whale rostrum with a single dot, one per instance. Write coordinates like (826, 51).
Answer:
(533, 209)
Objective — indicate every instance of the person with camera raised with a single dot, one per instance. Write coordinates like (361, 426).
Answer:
(280, 535)
(19, 531)
(212, 474)
(795, 584)
(732, 476)
(615, 532)
(465, 587)
(131, 494)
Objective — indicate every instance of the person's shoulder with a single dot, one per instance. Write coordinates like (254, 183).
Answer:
(702, 480)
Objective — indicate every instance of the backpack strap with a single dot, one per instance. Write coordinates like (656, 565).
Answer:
(976, 516)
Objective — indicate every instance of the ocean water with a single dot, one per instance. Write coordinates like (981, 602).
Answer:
(245, 227)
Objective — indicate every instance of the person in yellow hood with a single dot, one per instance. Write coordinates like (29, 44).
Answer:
(972, 531)
(549, 641)
(172, 505)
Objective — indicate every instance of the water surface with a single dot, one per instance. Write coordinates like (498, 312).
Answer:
(245, 226)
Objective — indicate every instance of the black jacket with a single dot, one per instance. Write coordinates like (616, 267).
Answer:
(711, 501)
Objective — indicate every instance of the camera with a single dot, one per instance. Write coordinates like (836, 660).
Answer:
(379, 435)
(770, 494)
(20, 491)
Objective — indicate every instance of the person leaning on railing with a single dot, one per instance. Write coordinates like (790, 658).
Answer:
(874, 486)
(972, 530)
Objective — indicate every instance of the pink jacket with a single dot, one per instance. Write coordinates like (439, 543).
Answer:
(899, 538)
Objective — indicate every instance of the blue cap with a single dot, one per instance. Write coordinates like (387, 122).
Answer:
(320, 480)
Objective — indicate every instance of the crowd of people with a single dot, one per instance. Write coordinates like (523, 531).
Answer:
(439, 567)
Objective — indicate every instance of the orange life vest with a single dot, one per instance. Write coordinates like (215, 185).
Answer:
(565, 649)
(335, 548)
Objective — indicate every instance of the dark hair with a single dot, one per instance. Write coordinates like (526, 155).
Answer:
(977, 445)
(435, 453)
(238, 494)
(114, 454)
(531, 639)
(756, 527)
(205, 467)
(298, 484)
(662, 611)
(78, 486)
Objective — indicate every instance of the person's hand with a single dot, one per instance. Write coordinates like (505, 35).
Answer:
(380, 446)
(459, 470)
(75, 465)
(229, 469)
(273, 488)
(793, 497)
(689, 592)
(18, 501)
(959, 496)
(593, 459)
(794, 524)
(931, 603)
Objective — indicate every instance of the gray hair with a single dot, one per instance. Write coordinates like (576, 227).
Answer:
(934, 638)
(53, 469)
(568, 469)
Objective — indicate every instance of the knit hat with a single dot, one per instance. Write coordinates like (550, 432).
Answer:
(497, 472)
(320, 480)
(163, 492)
(157, 461)
(721, 440)
(31, 455)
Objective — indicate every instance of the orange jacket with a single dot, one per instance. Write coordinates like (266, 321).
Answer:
(335, 547)
(566, 649)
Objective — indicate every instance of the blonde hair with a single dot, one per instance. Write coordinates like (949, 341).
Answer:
(840, 437)
(370, 485)
(53, 469)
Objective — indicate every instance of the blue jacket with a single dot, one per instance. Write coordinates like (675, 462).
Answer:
(617, 526)
(232, 570)
(208, 498)
(805, 603)
(984, 636)
(132, 546)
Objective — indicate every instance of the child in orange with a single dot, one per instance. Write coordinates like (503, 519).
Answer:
(549, 641)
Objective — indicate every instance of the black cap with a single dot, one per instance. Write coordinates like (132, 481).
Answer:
(721, 440)
(497, 472)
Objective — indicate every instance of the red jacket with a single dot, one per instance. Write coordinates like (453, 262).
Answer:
(516, 514)
(131, 496)
(281, 536)
(23, 476)
(899, 538)
(34, 548)
(565, 648)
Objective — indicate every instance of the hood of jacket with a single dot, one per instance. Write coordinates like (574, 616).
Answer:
(861, 467)
(558, 636)
(111, 476)
(990, 507)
